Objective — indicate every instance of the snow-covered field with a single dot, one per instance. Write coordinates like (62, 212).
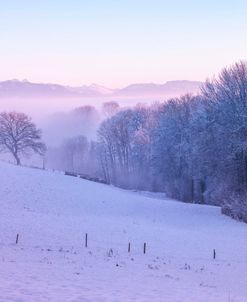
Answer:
(52, 212)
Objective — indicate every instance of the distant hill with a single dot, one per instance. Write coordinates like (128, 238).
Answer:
(169, 89)
(16, 88)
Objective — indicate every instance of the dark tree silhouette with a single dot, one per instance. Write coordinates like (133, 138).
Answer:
(19, 135)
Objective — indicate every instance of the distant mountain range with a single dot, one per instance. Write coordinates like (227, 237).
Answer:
(16, 88)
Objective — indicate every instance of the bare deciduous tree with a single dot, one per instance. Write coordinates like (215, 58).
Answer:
(19, 135)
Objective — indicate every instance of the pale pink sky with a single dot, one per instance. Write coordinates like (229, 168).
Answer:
(115, 43)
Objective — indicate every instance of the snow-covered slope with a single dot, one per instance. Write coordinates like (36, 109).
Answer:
(52, 212)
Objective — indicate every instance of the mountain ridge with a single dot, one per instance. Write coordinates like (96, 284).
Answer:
(24, 88)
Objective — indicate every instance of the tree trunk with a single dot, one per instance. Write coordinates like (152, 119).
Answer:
(245, 171)
(192, 190)
(17, 159)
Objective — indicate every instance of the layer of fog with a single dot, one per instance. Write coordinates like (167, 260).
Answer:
(59, 118)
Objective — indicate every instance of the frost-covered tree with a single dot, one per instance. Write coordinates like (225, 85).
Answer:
(172, 144)
(125, 146)
(72, 155)
(226, 105)
(75, 152)
(19, 135)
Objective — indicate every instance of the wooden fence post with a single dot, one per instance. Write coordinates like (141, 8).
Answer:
(86, 241)
(17, 239)
(144, 248)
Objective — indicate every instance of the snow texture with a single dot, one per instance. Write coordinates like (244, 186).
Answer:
(52, 213)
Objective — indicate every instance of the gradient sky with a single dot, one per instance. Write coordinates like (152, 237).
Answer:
(115, 43)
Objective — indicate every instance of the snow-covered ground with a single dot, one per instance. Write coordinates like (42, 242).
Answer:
(52, 212)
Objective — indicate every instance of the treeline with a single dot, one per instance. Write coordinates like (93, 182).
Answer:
(192, 147)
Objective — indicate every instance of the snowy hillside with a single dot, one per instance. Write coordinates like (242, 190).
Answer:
(52, 212)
